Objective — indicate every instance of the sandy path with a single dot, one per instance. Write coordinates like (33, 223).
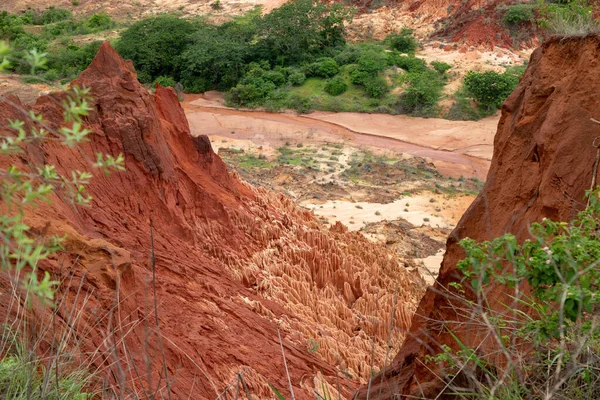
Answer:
(474, 138)
(417, 209)
(383, 132)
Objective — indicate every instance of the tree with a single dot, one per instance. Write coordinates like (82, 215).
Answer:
(336, 86)
(217, 56)
(302, 29)
(154, 45)
(403, 42)
(490, 88)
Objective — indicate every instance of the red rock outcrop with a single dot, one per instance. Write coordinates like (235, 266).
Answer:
(542, 166)
(476, 23)
(233, 263)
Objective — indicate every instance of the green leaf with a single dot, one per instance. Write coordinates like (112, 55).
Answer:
(279, 395)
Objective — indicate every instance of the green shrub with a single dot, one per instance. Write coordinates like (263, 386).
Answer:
(403, 42)
(411, 63)
(349, 55)
(490, 89)
(548, 328)
(462, 108)
(336, 86)
(50, 16)
(325, 67)
(278, 78)
(70, 60)
(518, 14)
(191, 84)
(100, 21)
(302, 105)
(568, 18)
(296, 78)
(250, 92)
(441, 67)
(165, 81)
(11, 26)
(372, 60)
(217, 57)
(52, 75)
(423, 93)
(302, 30)
(27, 41)
(375, 86)
(155, 45)
(357, 76)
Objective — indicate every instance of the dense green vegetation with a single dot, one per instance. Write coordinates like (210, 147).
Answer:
(490, 88)
(52, 32)
(295, 57)
(519, 14)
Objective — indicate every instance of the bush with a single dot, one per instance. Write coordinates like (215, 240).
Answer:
(155, 45)
(165, 81)
(404, 42)
(336, 86)
(217, 57)
(100, 22)
(411, 63)
(349, 55)
(375, 86)
(568, 18)
(52, 75)
(191, 84)
(372, 60)
(441, 67)
(11, 26)
(325, 67)
(548, 329)
(28, 41)
(50, 16)
(301, 30)
(63, 28)
(518, 14)
(296, 78)
(462, 108)
(302, 105)
(423, 92)
(250, 92)
(490, 89)
(70, 60)
(278, 78)
(358, 77)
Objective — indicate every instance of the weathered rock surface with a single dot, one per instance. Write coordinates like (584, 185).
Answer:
(542, 166)
(233, 263)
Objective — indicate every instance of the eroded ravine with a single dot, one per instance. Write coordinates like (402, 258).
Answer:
(448, 151)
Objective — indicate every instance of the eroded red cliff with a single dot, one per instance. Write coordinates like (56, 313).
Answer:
(233, 263)
(542, 165)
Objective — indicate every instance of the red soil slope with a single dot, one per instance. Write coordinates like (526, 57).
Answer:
(233, 263)
(542, 165)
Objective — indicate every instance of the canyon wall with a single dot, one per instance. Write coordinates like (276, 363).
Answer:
(235, 266)
(542, 165)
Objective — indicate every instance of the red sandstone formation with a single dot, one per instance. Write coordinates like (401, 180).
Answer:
(472, 22)
(541, 167)
(233, 263)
